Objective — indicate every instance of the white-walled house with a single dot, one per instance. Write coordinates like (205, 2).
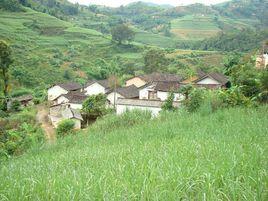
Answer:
(130, 92)
(74, 99)
(212, 81)
(60, 112)
(160, 91)
(96, 87)
(58, 89)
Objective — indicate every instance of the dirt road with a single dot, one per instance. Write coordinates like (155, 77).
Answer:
(42, 118)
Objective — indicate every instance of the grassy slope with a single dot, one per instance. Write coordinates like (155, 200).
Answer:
(194, 157)
(199, 27)
(36, 36)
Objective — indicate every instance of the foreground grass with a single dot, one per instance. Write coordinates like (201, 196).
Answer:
(219, 156)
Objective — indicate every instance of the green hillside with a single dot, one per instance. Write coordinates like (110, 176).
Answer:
(219, 156)
(43, 44)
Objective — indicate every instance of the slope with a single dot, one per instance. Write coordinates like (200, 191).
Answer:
(221, 156)
(47, 49)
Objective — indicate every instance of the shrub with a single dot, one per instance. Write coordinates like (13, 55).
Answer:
(65, 127)
(15, 106)
(168, 105)
(195, 100)
(110, 122)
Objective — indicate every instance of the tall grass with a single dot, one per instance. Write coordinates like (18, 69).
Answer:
(178, 156)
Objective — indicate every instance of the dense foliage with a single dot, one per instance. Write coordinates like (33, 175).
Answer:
(242, 41)
(65, 127)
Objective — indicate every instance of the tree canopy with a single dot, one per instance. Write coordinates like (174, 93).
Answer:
(122, 33)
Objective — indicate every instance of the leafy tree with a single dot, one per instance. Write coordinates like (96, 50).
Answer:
(168, 105)
(154, 60)
(5, 61)
(186, 90)
(94, 106)
(231, 61)
(121, 33)
(10, 5)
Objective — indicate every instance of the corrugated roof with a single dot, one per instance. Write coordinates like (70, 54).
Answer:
(24, 98)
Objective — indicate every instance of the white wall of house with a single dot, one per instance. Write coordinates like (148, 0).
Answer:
(144, 93)
(95, 89)
(208, 80)
(76, 106)
(110, 97)
(138, 82)
(62, 100)
(163, 95)
(55, 92)
(120, 109)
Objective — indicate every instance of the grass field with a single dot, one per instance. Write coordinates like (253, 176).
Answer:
(179, 156)
(199, 27)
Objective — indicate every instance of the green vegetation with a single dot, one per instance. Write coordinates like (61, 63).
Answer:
(65, 127)
(176, 156)
(18, 133)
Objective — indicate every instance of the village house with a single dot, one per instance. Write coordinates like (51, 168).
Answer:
(160, 91)
(142, 80)
(58, 89)
(60, 112)
(129, 92)
(95, 87)
(74, 98)
(24, 100)
(212, 81)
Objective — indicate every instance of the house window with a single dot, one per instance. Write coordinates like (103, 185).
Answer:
(152, 95)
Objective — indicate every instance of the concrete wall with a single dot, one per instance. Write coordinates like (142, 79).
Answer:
(136, 81)
(110, 97)
(55, 92)
(120, 109)
(162, 95)
(95, 89)
(208, 81)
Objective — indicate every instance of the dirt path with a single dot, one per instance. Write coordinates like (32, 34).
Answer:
(42, 118)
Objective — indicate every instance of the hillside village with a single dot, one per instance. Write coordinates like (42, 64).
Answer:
(145, 92)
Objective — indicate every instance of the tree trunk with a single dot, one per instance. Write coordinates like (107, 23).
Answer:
(5, 77)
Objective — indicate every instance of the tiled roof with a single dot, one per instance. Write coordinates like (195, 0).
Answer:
(154, 77)
(70, 86)
(75, 97)
(104, 83)
(128, 92)
(167, 86)
(221, 78)
(24, 98)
